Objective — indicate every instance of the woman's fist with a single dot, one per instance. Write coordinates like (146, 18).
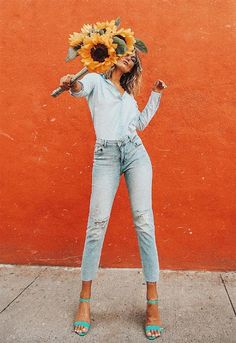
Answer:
(65, 81)
(158, 86)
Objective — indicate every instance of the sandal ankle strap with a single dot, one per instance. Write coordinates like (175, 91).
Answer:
(84, 300)
(152, 301)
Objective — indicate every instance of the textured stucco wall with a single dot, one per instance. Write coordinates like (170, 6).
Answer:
(47, 144)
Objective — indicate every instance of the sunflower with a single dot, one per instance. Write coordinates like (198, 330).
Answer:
(106, 26)
(98, 52)
(76, 40)
(128, 36)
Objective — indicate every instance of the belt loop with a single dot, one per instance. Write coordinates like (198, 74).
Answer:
(104, 142)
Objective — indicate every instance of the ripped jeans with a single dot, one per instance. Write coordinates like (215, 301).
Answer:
(112, 158)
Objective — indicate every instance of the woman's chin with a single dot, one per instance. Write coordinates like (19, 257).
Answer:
(122, 69)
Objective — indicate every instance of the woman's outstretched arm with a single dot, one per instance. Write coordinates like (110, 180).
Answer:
(80, 88)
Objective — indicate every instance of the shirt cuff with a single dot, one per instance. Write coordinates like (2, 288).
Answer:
(157, 94)
(76, 93)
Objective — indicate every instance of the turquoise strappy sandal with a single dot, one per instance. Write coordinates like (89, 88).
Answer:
(82, 323)
(153, 327)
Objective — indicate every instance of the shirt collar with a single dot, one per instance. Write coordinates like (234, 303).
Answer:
(111, 83)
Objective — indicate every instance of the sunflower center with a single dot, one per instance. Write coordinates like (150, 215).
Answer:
(99, 52)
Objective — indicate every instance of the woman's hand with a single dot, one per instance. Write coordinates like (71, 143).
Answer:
(65, 83)
(158, 86)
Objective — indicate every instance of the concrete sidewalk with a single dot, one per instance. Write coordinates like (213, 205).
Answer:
(38, 304)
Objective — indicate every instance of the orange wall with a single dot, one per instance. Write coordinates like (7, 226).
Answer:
(47, 144)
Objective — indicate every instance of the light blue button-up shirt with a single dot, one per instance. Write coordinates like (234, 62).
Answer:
(114, 115)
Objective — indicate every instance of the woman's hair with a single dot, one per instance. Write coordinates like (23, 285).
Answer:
(131, 81)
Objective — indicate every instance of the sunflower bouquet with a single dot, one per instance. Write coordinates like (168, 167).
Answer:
(99, 46)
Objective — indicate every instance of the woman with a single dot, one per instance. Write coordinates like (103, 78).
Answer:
(119, 150)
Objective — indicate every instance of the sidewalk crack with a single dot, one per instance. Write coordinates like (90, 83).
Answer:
(23, 290)
(231, 303)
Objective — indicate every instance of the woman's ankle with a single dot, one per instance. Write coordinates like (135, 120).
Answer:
(152, 292)
(85, 294)
(86, 289)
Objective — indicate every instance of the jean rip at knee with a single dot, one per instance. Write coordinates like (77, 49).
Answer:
(96, 227)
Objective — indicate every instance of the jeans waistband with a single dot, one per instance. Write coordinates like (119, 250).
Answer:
(122, 141)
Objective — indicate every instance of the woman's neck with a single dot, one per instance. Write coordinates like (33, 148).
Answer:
(116, 75)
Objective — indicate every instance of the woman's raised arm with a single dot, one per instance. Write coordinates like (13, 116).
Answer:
(145, 116)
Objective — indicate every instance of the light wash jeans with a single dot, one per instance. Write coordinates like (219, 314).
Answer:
(112, 158)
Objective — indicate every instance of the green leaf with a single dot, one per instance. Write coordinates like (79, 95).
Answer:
(72, 53)
(117, 21)
(121, 48)
(140, 45)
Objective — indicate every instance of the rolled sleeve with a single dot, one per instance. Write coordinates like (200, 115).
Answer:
(88, 83)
